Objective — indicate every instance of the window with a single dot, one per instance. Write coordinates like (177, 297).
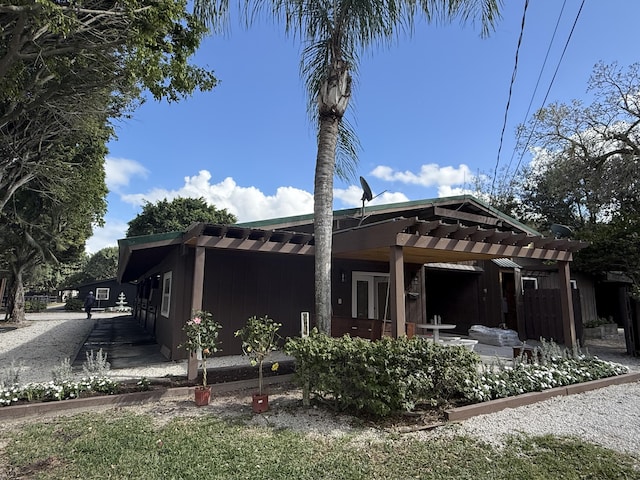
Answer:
(102, 294)
(574, 284)
(166, 294)
(529, 283)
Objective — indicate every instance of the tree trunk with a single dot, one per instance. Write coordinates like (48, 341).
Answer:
(17, 310)
(333, 99)
(323, 220)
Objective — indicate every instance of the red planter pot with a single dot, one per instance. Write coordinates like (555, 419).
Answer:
(202, 395)
(260, 403)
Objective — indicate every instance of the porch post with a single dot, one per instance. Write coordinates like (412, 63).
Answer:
(566, 304)
(196, 302)
(396, 274)
(520, 320)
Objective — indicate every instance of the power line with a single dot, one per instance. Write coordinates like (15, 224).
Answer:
(544, 101)
(506, 111)
(535, 90)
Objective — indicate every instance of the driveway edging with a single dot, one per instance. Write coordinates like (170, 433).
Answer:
(492, 406)
(135, 398)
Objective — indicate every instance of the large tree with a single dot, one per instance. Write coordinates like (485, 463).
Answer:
(67, 70)
(55, 55)
(334, 35)
(101, 265)
(585, 170)
(176, 215)
(50, 223)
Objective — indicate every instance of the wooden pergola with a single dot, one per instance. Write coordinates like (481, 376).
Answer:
(397, 241)
(411, 240)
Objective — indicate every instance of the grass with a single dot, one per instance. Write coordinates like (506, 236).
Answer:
(120, 445)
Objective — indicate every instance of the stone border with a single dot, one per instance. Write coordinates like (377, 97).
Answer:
(492, 406)
(136, 398)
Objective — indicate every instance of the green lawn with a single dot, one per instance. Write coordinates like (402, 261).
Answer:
(118, 445)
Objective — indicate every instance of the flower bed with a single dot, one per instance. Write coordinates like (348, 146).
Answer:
(52, 391)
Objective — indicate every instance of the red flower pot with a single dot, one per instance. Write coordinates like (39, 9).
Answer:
(202, 395)
(260, 403)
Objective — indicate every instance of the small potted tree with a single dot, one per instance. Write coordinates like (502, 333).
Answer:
(259, 338)
(202, 340)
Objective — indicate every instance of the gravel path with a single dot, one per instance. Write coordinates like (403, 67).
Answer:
(43, 344)
(609, 416)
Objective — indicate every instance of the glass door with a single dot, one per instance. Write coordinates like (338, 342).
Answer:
(370, 295)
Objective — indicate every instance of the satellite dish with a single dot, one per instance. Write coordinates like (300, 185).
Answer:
(561, 231)
(366, 196)
(366, 191)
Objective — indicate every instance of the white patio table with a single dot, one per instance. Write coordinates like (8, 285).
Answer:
(436, 327)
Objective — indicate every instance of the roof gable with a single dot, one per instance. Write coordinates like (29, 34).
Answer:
(464, 209)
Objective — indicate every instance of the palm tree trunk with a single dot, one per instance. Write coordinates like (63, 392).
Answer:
(323, 219)
(333, 99)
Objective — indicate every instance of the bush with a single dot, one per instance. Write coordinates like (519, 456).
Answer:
(594, 323)
(96, 364)
(35, 306)
(382, 377)
(73, 305)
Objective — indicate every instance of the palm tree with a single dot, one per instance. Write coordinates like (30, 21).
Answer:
(334, 33)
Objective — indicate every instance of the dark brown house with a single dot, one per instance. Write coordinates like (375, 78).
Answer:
(378, 270)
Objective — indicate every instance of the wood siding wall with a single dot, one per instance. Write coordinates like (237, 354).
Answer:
(238, 285)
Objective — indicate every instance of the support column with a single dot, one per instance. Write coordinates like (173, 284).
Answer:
(423, 294)
(396, 274)
(520, 321)
(196, 302)
(566, 303)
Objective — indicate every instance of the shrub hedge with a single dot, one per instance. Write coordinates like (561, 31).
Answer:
(382, 377)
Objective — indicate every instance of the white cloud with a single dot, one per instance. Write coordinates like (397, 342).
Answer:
(106, 236)
(120, 170)
(247, 203)
(448, 191)
(352, 197)
(429, 175)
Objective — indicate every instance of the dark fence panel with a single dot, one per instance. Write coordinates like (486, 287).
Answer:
(543, 314)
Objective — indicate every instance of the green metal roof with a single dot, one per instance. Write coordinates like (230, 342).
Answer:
(308, 218)
(390, 206)
(152, 238)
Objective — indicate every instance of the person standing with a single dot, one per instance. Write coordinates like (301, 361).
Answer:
(88, 304)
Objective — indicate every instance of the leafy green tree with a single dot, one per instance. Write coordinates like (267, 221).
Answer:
(334, 35)
(67, 71)
(101, 265)
(51, 225)
(585, 170)
(58, 58)
(176, 215)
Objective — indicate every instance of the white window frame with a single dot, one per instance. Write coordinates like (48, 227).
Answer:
(370, 278)
(530, 279)
(102, 293)
(574, 284)
(166, 294)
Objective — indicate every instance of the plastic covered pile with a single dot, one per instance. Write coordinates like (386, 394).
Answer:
(499, 337)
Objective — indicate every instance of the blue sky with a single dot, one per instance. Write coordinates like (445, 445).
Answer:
(428, 112)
